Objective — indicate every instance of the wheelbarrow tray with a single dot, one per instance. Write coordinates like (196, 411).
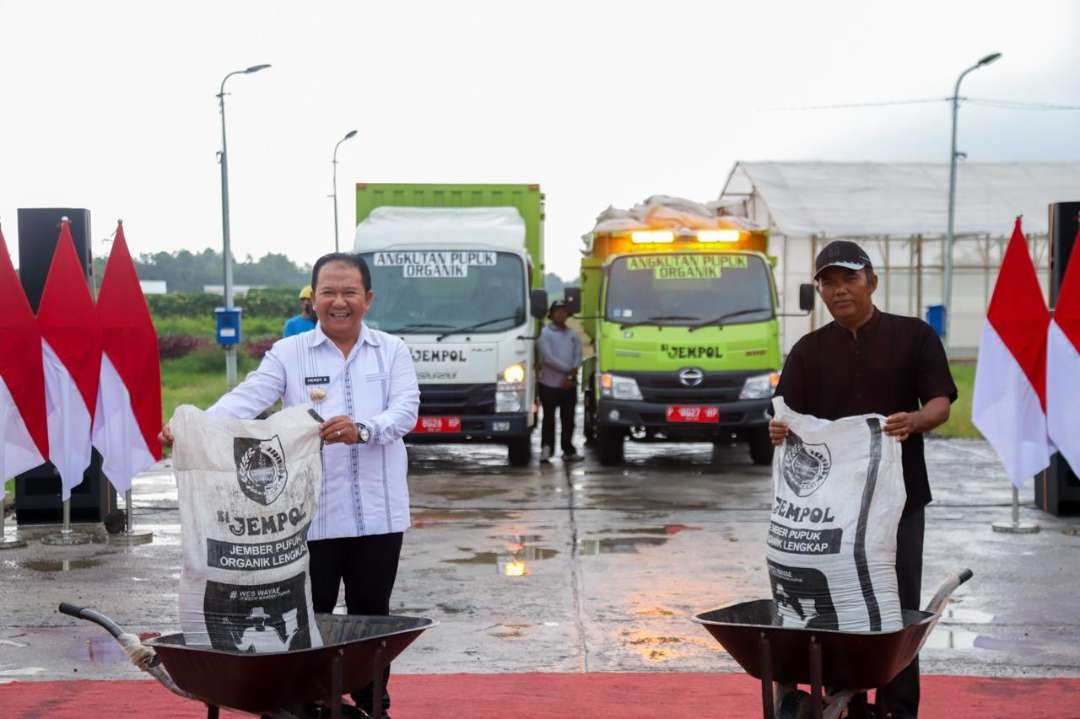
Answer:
(851, 660)
(266, 682)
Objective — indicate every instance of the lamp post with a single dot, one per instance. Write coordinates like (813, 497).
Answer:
(223, 158)
(333, 165)
(949, 237)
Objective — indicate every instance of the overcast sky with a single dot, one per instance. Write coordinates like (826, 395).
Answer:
(111, 105)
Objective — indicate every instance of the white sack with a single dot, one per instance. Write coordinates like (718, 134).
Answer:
(247, 491)
(838, 496)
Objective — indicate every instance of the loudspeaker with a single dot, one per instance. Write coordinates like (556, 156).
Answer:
(37, 495)
(37, 492)
(1057, 490)
(39, 230)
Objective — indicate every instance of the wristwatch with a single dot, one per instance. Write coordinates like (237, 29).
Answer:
(363, 433)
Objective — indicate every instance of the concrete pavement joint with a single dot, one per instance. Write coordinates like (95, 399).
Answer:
(575, 571)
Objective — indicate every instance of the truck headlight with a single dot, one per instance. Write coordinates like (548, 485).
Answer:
(760, 386)
(514, 374)
(615, 387)
(510, 389)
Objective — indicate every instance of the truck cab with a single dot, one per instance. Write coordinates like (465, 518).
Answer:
(456, 284)
(683, 317)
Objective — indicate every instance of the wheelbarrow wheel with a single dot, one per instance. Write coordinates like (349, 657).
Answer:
(795, 705)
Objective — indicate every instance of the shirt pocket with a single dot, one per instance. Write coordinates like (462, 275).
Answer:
(377, 377)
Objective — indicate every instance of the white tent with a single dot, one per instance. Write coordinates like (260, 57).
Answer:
(898, 211)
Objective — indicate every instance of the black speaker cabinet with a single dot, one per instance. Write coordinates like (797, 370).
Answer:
(1057, 490)
(39, 230)
(37, 492)
(37, 496)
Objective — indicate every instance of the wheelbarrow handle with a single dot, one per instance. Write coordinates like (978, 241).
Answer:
(937, 604)
(92, 616)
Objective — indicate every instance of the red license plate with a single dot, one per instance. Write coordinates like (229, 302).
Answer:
(438, 424)
(692, 413)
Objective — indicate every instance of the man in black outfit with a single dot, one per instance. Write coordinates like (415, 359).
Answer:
(867, 361)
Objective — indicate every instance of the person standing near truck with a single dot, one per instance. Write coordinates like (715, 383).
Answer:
(560, 359)
(872, 362)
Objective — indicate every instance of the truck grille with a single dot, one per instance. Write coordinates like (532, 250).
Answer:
(457, 399)
(715, 387)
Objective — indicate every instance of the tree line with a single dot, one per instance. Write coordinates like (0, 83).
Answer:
(186, 271)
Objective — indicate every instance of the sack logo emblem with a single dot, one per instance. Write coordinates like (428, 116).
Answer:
(260, 468)
(805, 466)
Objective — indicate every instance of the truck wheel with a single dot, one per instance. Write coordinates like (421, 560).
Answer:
(761, 449)
(609, 443)
(520, 451)
(589, 428)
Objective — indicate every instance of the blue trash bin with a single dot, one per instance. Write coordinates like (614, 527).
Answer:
(935, 317)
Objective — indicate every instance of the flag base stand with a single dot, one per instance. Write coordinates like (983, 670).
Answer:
(66, 537)
(129, 536)
(1015, 526)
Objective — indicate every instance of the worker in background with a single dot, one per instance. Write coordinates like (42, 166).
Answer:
(560, 358)
(304, 321)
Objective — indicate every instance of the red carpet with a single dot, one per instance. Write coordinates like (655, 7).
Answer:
(543, 696)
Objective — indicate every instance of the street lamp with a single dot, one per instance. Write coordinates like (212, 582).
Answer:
(223, 158)
(949, 237)
(333, 164)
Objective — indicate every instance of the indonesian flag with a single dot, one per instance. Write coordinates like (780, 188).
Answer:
(128, 414)
(24, 435)
(1009, 406)
(72, 349)
(1063, 365)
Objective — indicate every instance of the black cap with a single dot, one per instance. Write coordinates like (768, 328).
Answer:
(842, 253)
(558, 304)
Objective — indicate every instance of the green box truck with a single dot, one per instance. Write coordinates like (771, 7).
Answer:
(681, 307)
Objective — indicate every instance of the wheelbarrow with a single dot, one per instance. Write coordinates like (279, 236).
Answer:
(848, 663)
(276, 685)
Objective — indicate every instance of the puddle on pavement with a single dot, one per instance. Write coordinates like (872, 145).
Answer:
(667, 529)
(964, 615)
(617, 545)
(460, 494)
(945, 639)
(435, 518)
(98, 650)
(513, 558)
(56, 565)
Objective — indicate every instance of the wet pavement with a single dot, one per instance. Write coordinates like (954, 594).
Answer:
(578, 567)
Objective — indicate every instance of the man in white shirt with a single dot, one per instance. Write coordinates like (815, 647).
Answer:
(364, 382)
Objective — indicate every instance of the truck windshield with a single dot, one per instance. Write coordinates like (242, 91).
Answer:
(439, 291)
(688, 289)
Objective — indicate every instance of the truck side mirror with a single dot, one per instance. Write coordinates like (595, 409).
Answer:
(572, 295)
(806, 297)
(538, 304)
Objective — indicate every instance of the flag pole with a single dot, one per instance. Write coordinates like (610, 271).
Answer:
(66, 536)
(5, 543)
(1016, 526)
(129, 535)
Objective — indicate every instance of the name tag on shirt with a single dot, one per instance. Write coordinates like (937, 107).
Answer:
(316, 380)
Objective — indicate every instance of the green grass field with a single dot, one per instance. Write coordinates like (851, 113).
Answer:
(959, 424)
(250, 327)
(198, 378)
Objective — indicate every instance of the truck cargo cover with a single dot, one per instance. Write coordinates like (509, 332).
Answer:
(496, 227)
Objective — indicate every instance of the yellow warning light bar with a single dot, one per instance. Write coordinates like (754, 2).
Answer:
(642, 237)
(718, 235)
